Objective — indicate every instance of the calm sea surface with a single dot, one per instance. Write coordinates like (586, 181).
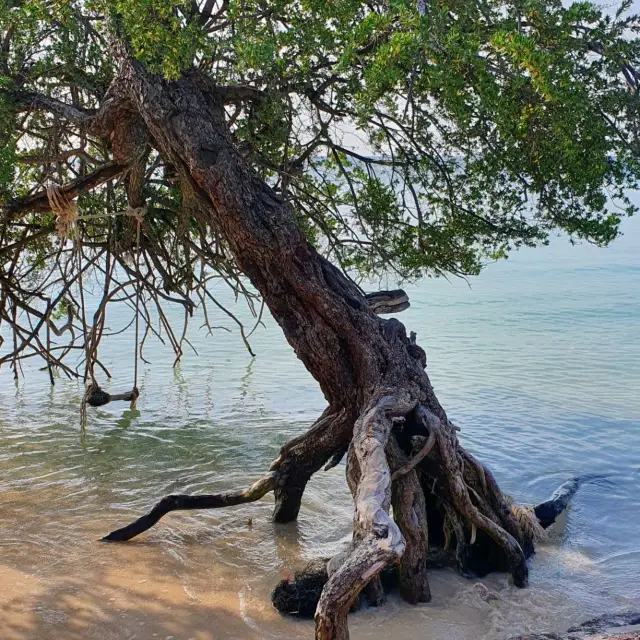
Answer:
(538, 361)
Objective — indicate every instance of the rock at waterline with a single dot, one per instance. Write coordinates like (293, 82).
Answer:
(616, 626)
(633, 635)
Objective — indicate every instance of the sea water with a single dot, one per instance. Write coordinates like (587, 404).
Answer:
(537, 360)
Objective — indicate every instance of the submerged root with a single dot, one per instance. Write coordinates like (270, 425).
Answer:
(299, 459)
(529, 524)
(420, 501)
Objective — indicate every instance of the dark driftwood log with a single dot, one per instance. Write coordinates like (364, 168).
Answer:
(98, 397)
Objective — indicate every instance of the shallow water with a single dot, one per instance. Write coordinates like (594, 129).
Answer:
(538, 362)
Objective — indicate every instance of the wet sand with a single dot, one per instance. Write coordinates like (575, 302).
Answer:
(181, 581)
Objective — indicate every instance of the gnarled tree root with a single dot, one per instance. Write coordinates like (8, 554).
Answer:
(420, 501)
(377, 540)
(299, 596)
(187, 503)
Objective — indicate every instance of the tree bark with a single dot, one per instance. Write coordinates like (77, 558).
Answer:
(410, 512)
(372, 375)
(300, 458)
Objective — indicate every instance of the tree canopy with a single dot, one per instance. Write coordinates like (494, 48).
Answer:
(152, 146)
(409, 138)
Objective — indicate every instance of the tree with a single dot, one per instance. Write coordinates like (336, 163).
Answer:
(215, 139)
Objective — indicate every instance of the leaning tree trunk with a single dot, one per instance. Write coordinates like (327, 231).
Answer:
(402, 449)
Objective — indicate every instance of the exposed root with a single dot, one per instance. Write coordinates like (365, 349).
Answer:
(377, 540)
(339, 594)
(455, 524)
(501, 505)
(452, 476)
(479, 469)
(325, 421)
(326, 438)
(410, 513)
(433, 478)
(417, 459)
(185, 503)
(298, 460)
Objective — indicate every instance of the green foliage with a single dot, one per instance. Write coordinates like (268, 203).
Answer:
(61, 310)
(406, 143)
(161, 32)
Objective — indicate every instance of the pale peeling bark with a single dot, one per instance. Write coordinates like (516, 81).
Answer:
(377, 540)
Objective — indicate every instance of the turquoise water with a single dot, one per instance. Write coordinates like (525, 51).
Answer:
(538, 361)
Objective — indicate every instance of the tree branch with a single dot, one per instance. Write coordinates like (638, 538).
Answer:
(238, 93)
(207, 15)
(38, 202)
(27, 100)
